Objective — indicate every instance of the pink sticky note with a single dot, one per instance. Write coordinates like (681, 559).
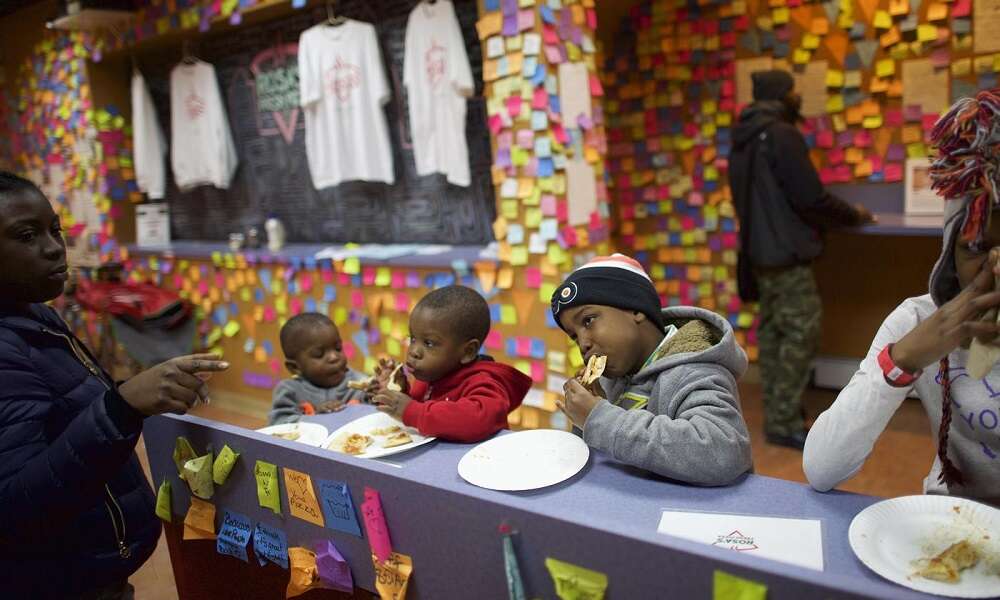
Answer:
(402, 302)
(893, 173)
(350, 350)
(562, 211)
(203, 287)
(343, 279)
(496, 124)
(537, 372)
(494, 341)
(559, 133)
(525, 138)
(295, 306)
(357, 299)
(178, 281)
(368, 275)
(514, 105)
(398, 280)
(549, 35)
(553, 55)
(525, 19)
(533, 277)
(540, 99)
(549, 205)
(269, 314)
(326, 275)
(596, 89)
(306, 283)
(378, 532)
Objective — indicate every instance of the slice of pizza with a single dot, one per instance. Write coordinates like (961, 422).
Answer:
(594, 370)
(397, 439)
(354, 443)
(949, 564)
(381, 431)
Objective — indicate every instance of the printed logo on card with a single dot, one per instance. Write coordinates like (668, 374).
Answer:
(736, 541)
(342, 79)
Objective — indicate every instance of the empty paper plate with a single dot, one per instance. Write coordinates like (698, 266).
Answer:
(525, 460)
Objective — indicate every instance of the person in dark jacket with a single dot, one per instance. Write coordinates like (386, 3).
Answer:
(783, 209)
(76, 511)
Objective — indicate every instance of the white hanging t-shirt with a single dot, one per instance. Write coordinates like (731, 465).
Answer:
(149, 147)
(438, 82)
(343, 89)
(202, 151)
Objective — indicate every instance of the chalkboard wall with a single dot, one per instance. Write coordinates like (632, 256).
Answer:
(258, 76)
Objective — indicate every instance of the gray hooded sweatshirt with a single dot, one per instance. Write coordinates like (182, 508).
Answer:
(289, 394)
(690, 427)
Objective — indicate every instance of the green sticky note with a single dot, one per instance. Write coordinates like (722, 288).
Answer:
(730, 587)
(223, 464)
(508, 314)
(576, 583)
(383, 277)
(268, 490)
(163, 502)
(352, 266)
(183, 452)
(545, 292)
(198, 473)
(231, 329)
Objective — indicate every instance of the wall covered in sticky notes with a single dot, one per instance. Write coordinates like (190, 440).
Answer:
(874, 77)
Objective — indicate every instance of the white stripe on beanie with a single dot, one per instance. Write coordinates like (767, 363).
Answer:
(617, 261)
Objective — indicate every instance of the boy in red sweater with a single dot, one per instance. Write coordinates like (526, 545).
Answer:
(456, 393)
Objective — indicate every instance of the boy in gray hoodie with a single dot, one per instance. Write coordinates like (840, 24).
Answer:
(314, 354)
(667, 401)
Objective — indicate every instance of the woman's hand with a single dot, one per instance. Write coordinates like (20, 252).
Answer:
(955, 323)
(173, 386)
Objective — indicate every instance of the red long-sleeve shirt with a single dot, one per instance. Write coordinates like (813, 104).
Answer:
(468, 405)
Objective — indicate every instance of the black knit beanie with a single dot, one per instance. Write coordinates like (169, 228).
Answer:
(615, 280)
(772, 85)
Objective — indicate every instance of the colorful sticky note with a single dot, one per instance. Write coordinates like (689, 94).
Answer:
(378, 531)
(270, 544)
(223, 464)
(338, 508)
(198, 474)
(731, 587)
(303, 572)
(268, 488)
(332, 568)
(163, 502)
(183, 452)
(234, 535)
(199, 522)
(576, 583)
(302, 501)
(392, 575)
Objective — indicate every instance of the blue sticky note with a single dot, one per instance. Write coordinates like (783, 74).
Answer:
(338, 508)
(539, 77)
(546, 168)
(495, 313)
(310, 305)
(510, 346)
(268, 347)
(537, 348)
(298, 3)
(547, 15)
(270, 544)
(539, 120)
(360, 339)
(329, 293)
(265, 278)
(234, 535)
(529, 66)
(492, 5)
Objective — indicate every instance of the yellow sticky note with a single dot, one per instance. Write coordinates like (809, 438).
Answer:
(223, 464)
(576, 583)
(352, 266)
(916, 150)
(508, 314)
(883, 20)
(801, 56)
(198, 474)
(183, 452)
(199, 523)
(163, 509)
(927, 33)
(490, 24)
(268, 488)
(392, 576)
(872, 122)
(383, 276)
(780, 15)
(303, 572)
(885, 67)
(731, 587)
(302, 502)
(834, 79)
(810, 41)
(519, 256)
(961, 67)
(231, 329)
(835, 103)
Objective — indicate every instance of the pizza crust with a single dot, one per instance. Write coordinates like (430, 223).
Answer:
(594, 370)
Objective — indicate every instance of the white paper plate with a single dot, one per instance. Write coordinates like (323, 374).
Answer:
(378, 420)
(311, 434)
(892, 536)
(525, 460)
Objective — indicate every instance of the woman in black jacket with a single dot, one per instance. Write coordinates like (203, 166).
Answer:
(76, 512)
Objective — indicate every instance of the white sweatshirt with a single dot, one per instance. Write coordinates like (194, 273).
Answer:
(202, 151)
(148, 144)
(844, 434)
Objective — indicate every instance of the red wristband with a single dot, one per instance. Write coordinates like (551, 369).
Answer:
(893, 373)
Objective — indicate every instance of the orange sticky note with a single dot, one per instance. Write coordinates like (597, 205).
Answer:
(820, 26)
(303, 572)
(898, 8)
(393, 575)
(489, 24)
(199, 522)
(302, 502)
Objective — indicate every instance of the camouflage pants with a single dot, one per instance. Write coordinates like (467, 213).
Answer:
(788, 336)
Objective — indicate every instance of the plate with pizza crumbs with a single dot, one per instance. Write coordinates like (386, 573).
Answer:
(526, 460)
(373, 436)
(940, 545)
(312, 434)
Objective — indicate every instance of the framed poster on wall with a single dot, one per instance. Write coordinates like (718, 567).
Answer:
(920, 198)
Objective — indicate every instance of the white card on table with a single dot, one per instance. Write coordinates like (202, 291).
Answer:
(794, 541)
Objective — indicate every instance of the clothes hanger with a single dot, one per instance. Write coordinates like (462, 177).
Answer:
(332, 19)
(187, 57)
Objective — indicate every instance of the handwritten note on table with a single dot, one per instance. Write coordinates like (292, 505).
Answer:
(223, 464)
(163, 509)
(268, 488)
(794, 541)
(198, 473)
(338, 508)
(199, 523)
(234, 535)
(333, 568)
(303, 572)
(378, 531)
(392, 575)
(576, 583)
(183, 452)
(302, 501)
(270, 544)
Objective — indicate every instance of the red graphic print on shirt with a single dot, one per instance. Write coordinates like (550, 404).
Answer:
(342, 79)
(435, 62)
(195, 105)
